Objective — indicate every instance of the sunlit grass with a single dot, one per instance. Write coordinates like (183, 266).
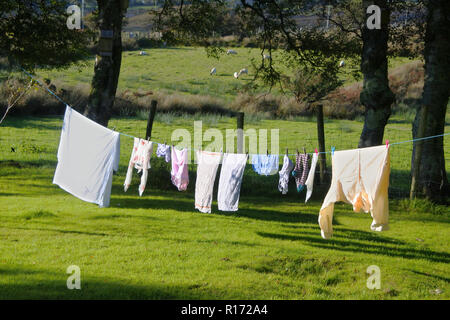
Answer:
(184, 70)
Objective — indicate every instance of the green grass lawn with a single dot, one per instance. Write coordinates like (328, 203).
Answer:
(159, 247)
(182, 70)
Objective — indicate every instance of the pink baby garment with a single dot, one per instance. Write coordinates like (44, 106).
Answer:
(180, 173)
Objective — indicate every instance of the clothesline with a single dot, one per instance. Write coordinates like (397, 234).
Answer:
(91, 180)
(189, 149)
(359, 176)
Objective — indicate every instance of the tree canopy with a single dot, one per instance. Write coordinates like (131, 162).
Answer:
(35, 33)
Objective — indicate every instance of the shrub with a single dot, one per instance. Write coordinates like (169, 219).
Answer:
(130, 44)
(149, 43)
(249, 43)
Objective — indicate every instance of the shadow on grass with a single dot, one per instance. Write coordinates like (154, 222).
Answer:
(213, 242)
(26, 164)
(188, 206)
(431, 276)
(121, 216)
(348, 234)
(152, 204)
(41, 123)
(401, 250)
(399, 121)
(6, 194)
(59, 231)
(272, 215)
(41, 284)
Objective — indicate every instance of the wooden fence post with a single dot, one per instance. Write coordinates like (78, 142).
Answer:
(418, 152)
(321, 140)
(240, 132)
(151, 117)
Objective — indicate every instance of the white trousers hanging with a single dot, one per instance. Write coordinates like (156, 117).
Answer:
(359, 177)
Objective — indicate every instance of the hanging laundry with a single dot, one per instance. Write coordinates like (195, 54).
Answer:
(180, 172)
(163, 150)
(233, 166)
(265, 164)
(284, 174)
(310, 180)
(208, 162)
(140, 159)
(359, 177)
(87, 155)
(300, 171)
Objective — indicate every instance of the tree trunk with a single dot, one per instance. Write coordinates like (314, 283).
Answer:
(107, 65)
(376, 95)
(432, 180)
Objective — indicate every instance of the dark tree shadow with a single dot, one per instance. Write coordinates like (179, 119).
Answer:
(401, 250)
(52, 285)
(188, 206)
(431, 276)
(38, 123)
(121, 216)
(60, 231)
(345, 233)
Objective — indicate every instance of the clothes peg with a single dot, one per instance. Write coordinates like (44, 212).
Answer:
(287, 153)
(387, 144)
(332, 150)
(304, 151)
(315, 151)
(267, 151)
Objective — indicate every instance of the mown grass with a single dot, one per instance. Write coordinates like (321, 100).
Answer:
(159, 247)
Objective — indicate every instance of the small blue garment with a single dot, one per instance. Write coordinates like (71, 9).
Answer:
(265, 164)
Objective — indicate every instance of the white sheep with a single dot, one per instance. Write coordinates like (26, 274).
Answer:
(213, 71)
(267, 56)
(243, 71)
(142, 53)
(231, 51)
(236, 75)
(341, 64)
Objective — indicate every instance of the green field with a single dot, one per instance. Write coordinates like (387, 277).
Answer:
(182, 70)
(159, 247)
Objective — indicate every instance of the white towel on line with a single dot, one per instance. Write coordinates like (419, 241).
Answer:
(208, 162)
(87, 155)
(230, 181)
